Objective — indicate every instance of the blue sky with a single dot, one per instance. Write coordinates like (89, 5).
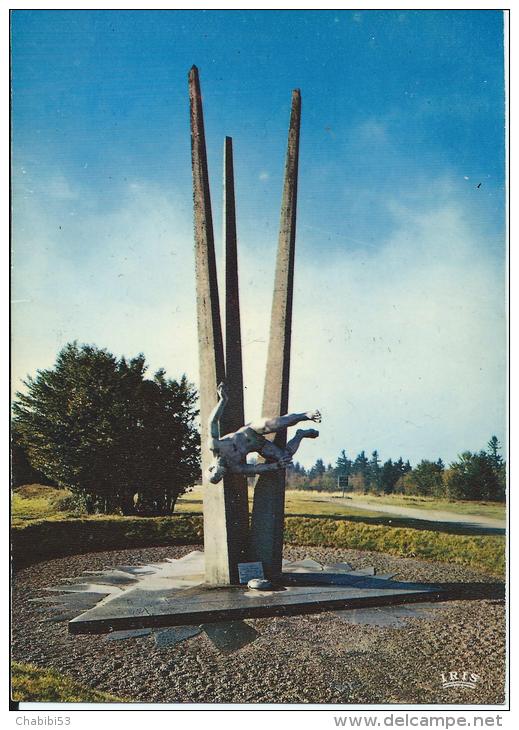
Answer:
(399, 320)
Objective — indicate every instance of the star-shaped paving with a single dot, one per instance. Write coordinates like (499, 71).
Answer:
(95, 588)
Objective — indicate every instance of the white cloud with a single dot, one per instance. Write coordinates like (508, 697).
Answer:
(402, 347)
(122, 279)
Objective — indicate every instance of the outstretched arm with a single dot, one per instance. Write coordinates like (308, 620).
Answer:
(216, 414)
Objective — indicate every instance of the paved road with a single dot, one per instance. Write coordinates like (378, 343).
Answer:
(425, 514)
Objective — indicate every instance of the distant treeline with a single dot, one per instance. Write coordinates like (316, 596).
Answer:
(473, 476)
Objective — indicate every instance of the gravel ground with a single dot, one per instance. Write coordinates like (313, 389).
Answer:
(296, 659)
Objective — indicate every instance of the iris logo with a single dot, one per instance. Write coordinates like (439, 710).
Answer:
(459, 679)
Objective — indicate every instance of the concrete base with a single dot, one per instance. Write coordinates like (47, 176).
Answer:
(205, 604)
(174, 594)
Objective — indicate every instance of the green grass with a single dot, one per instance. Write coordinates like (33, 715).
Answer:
(496, 510)
(31, 491)
(31, 684)
(60, 535)
(48, 538)
(43, 539)
(320, 504)
(34, 502)
(312, 518)
(481, 552)
(296, 503)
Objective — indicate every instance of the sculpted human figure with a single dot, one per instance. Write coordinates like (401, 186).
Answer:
(230, 451)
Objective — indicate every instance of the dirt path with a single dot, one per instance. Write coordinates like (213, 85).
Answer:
(430, 515)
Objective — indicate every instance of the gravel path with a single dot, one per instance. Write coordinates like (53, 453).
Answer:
(297, 659)
(429, 515)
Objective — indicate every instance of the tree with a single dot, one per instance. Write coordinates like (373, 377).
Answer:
(343, 465)
(374, 471)
(494, 447)
(316, 476)
(402, 470)
(474, 476)
(22, 471)
(96, 425)
(498, 464)
(389, 476)
(296, 477)
(317, 470)
(360, 465)
(359, 471)
(426, 479)
(167, 446)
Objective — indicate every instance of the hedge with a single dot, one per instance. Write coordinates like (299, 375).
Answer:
(481, 552)
(49, 538)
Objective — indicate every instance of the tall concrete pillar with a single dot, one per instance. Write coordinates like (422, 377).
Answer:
(223, 537)
(266, 534)
(234, 417)
(234, 414)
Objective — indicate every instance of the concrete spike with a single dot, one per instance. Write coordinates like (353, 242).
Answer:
(224, 532)
(234, 416)
(266, 537)
(235, 484)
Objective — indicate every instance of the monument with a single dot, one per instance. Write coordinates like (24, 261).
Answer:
(225, 509)
(241, 573)
(227, 538)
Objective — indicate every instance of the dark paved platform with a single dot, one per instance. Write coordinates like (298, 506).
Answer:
(139, 608)
(173, 594)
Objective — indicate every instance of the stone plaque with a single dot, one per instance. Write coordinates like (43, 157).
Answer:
(247, 571)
